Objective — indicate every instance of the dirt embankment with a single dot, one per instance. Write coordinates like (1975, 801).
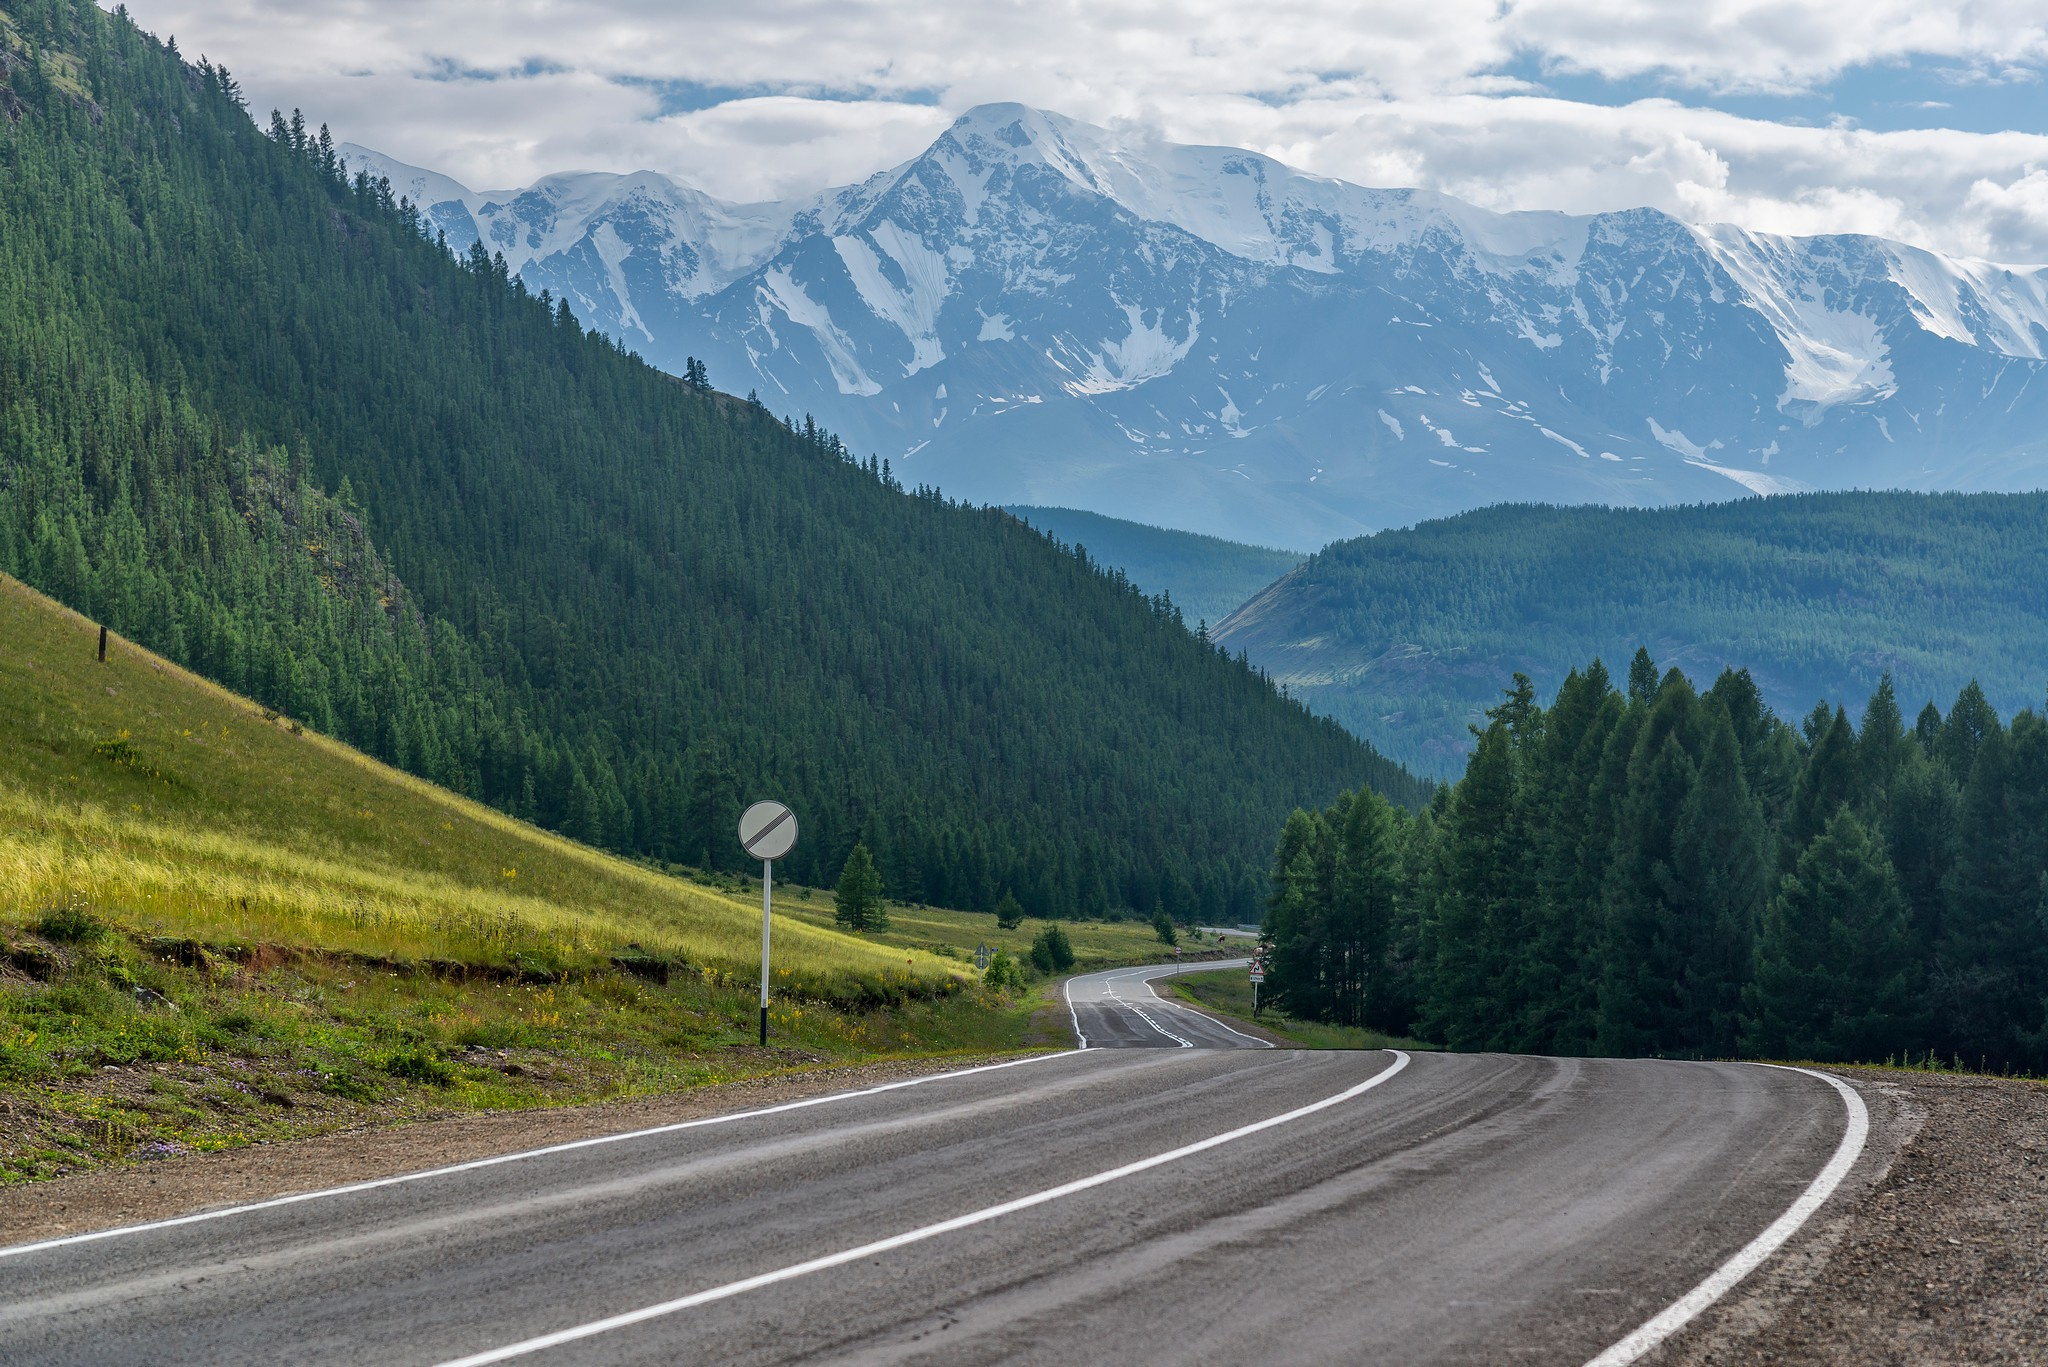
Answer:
(1936, 1252)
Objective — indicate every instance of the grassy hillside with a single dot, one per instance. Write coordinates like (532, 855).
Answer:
(258, 421)
(1408, 635)
(166, 802)
(218, 927)
(1208, 578)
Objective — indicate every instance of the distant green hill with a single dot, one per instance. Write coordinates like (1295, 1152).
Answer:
(1407, 635)
(1208, 578)
(256, 420)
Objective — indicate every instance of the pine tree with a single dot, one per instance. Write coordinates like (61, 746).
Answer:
(1009, 912)
(1716, 890)
(1994, 960)
(1920, 837)
(1368, 878)
(1162, 925)
(1968, 723)
(857, 901)
(1297, 919)
(1480, 907)
(1639, 952)
(1830, 980)
(1880, 751)
(1828, 780)
(1642, 677)
(1051, 951)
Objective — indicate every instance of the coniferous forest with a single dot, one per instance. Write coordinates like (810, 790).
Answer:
(252, 417)
(1644, 868)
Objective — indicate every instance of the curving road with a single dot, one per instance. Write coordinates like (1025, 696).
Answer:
(1143, 1205)
(1120, 1009)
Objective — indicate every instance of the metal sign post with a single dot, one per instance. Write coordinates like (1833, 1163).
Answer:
(767, 832)
(1258, 976)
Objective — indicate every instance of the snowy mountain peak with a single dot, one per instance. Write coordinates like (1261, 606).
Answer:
(1039, 310)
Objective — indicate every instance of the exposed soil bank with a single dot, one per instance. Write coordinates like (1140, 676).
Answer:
(1936, 1252)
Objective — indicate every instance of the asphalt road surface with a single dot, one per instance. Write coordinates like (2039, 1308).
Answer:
(1120, 1010)
(1110, 1205)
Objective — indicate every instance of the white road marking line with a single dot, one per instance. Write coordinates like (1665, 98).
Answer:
(919, 1235)
(1146, 1017)
(472, 1166)
(1067, 991)
(1151, 986)
(1746, 1260)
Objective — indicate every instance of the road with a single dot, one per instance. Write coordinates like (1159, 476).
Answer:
(1135, 1205)
(1120, 1009)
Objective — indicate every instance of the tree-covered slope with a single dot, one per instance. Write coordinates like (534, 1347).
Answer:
(1207, 577)
(1406, 635)
(254, 419)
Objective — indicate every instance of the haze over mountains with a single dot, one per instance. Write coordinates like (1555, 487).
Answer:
(1036, 310)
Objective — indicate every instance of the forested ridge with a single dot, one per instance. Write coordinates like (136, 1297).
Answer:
(1405, 636)
(252, 418)
(1656, 870)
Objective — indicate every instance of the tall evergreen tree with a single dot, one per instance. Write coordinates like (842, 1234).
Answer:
(1368, 879)
(1826, 782)
(857, 901)
(1831, 977)
(1639, 945)
(1715, 892)
(1481, 903)
(1994, 960)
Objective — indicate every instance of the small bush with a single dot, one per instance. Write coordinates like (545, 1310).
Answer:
(70, 925)
(349, 1087)
(418, 1065)
(1003, 974)
(542, 964)
(122, 754)
(1052, 952)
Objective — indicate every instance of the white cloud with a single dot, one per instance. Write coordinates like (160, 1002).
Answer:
(1771, 45)
(812, 92)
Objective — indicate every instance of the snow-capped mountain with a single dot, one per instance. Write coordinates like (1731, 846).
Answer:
(1040, 311)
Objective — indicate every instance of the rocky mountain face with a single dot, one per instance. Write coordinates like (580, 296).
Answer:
(1040, 311)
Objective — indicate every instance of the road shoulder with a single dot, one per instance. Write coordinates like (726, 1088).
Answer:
(1936, 1250)
(107, 1197)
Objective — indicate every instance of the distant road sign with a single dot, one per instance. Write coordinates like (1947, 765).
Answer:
(1258, 975)
(982, 955)
(768, 830)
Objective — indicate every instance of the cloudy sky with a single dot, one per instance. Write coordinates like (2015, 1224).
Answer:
(1920, 119)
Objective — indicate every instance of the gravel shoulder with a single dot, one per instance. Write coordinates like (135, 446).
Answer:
(189, 1182)
(1936, 1251)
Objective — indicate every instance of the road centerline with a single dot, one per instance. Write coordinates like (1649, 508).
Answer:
(920, 1234)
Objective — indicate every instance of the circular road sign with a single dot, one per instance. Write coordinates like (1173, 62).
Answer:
(768, 830)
